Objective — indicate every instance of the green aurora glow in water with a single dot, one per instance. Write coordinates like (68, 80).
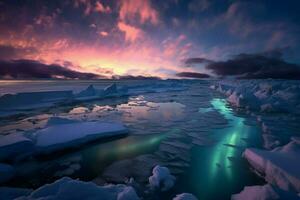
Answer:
(218, 171)
(213, 170)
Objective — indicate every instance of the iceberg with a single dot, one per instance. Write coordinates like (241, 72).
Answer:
(15, 145)
(279, 166)
(265, 192)
(161, 178)
(69, 189)
(111, 89)
(63, 136)
(89, 91)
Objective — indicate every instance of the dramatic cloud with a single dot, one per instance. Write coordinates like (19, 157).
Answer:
(132, 10)
(192, 75)
(263, 65)
(99, 7)
(191, 61)
(131, 33)
(27, 69)
(130, 77)
(145, 37)
(10, 52)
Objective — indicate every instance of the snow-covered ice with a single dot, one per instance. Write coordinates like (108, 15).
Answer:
(262, 95)
(161, 178)
(265, 192)
(69, 189)
(63, 136)
(185, 196)
(279, 166)
(14, 145)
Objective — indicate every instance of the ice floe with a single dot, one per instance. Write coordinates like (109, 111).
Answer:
(185, 196)
(279, 166)
(161, 178)
(69, 189)
(11, 104)
(263, 95)
(14, 145)
(63, 136)
(265, 192)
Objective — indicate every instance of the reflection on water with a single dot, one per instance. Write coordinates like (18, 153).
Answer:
(94, 157)
(138, 109)
(218, 171)
(230, 141)
(196, 136)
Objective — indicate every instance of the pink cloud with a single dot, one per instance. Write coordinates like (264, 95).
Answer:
(103, 33)
(176, 47)
(138, 9)
(99, 7)
(131, 33)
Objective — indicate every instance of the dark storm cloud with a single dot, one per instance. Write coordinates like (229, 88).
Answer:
(10, 52)
(192, 75)
(263, 65)
(28, 69)
(197, 60)
(131, 77)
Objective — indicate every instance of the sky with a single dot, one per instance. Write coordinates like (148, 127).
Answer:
(164, 38)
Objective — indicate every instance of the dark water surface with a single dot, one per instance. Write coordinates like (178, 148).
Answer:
(192, 132)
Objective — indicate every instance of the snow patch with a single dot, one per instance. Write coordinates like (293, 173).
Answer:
(68, 189)
(279, 166)
(63, 136)
(161, 178)
(185, 196)
(13, 145)
(265, 192)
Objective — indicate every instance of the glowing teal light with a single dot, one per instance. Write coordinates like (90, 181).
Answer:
(231, 136)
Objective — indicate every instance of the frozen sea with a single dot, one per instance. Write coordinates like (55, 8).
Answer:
(193, 132)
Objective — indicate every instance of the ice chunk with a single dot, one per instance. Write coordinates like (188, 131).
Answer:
(111, 89)
(69, 189)
(265, 192)
(63, 136)
(127, 193)
(185, 196)
(89, 91)
(270, 141)
(59, 120)
(279, 166)
(161, 178)
(13, 145)
(235, 99)
(6, 172)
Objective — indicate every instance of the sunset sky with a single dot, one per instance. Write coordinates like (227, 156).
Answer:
(144, 37)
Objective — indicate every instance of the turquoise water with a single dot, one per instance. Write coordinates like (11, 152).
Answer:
(193, 132)
(218, 171)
